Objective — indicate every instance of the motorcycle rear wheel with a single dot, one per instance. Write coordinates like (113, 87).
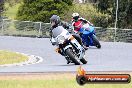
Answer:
(96, 42)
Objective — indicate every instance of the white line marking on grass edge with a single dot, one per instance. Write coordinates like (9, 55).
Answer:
(32, 59)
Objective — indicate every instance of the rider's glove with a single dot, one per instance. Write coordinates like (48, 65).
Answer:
(52, 41)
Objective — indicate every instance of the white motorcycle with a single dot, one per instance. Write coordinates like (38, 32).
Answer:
(68, 46)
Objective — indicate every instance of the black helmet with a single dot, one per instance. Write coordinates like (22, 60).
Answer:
(55, 19)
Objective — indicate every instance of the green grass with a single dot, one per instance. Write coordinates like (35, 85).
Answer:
(8, 57)
(58, 83)
(14, 32)
(87, 11)
(11, 11)
(11, 30)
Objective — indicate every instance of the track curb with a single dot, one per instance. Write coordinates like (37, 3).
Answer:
(32, 59)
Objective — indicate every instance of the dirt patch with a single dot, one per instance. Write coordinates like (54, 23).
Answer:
(48, 76)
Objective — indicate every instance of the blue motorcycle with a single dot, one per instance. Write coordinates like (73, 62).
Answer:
(88, 36)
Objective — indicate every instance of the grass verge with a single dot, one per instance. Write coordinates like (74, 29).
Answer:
(8, 57)
(11, 11)
(66, 80)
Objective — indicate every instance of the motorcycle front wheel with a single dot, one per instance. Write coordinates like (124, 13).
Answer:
(71, 56)
(83, 61)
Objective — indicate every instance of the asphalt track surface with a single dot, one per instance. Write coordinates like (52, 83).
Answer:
(113, 56)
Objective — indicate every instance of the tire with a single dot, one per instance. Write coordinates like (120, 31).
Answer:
(83, 61)
(71, 56)
(96, 42)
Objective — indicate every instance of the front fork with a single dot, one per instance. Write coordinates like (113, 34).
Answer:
(60, 50)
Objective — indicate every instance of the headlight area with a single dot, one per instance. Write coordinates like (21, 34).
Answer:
(61, 39)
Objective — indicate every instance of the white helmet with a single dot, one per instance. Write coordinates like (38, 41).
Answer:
(75, 14)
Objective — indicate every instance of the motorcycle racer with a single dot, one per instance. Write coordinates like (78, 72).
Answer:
(55, 22)
(55, 30)
(77, 21)
(86, 31)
